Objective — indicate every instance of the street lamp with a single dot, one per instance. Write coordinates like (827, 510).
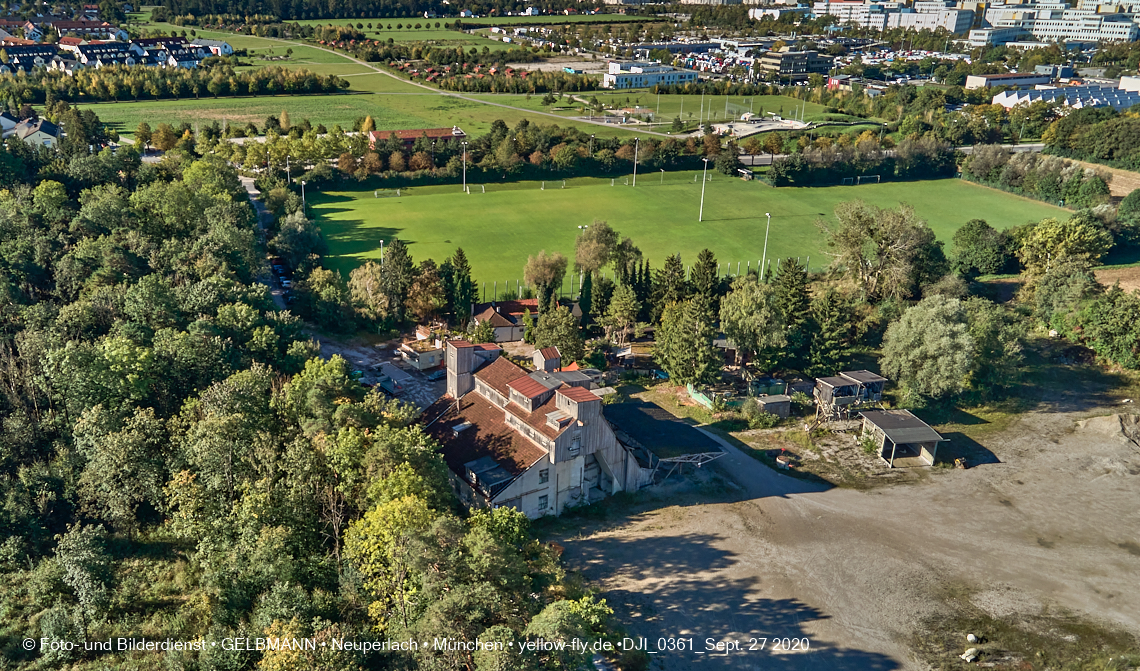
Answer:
(663, 176)
(764, 262)
(591, 145)
(433, 152)
(464, 166)
(304, 208)
(704, 178)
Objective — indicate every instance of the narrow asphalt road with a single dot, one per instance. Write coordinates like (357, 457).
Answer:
(264, 217)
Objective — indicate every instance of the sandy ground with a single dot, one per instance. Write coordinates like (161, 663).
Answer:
(556, 65)
(1129, 277)
(1123, 182)
(755, 554)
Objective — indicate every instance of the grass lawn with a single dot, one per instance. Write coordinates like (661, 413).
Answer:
(395, 104)
(500, 228)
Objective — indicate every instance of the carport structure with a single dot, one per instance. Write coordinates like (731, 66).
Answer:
(902, 439)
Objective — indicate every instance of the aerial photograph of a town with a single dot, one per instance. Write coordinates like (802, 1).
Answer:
(581, 335)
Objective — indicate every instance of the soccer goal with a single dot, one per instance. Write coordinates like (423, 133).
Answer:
(848, 181)
(867, 179)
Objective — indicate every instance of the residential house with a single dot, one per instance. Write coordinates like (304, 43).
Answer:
(37, 132)
(532, 441)
(188, 57)
(83, 27)
(506, 317)
(216, 47)
(7, 123)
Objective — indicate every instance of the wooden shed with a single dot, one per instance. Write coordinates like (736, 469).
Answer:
(870, 385)
(902, 439)
(779, 405)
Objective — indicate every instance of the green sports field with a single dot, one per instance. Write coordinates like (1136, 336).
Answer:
(500, 228)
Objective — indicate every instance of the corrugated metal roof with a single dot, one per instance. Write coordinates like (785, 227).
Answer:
(528, 386)
(901, 426)
(578, 394)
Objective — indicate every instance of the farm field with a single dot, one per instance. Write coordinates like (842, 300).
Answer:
(412, 108)
(500, 228)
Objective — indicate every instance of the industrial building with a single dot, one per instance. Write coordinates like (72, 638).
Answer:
(636, 74)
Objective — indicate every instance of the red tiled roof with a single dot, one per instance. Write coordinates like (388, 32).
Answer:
(74, 41)
(513, 308)
(528, 387)
(488, 347)
(577, 394)
(550, 353)
(460, 343)
(537, 419)
(495, 318)
(498, 373)
(413, 134)
(488, 437)
(572, 367)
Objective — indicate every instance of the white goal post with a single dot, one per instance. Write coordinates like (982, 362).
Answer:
(867, 179)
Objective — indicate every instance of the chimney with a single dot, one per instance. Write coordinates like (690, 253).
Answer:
(499, 309)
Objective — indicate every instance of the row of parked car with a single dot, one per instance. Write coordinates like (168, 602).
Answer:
(282, 273)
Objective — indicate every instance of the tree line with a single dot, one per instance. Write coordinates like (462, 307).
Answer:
(124, 82)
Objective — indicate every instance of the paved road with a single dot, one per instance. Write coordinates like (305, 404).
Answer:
(264, 218)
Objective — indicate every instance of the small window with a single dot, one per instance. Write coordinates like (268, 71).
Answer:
(544, 476)
(543, 502)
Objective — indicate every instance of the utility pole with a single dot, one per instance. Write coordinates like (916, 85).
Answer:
(636, 147)
(465, 169)
(764, 263)
(704, 178)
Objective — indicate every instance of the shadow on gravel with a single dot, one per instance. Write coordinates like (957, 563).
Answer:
(755, 633)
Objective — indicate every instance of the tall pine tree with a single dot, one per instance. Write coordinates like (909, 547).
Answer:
(684, 347)
(830, 334)
(460, 286)
(669, 285)
(396, 276)
(705, 281)
(792, 302)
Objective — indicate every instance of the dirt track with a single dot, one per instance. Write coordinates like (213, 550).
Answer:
(1054, 525)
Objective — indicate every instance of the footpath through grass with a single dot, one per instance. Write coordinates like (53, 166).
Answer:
(500, 228)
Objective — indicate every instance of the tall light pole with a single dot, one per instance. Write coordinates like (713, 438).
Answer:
(704, 178)
(636, 147)
(465, 167)
(591, 145)
(304, 207)
(764, 262)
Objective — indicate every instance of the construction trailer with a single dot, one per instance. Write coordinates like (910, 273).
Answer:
(901, 439)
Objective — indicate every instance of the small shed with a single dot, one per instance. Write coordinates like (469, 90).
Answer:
(902, 439)
(548, 359)
(779, 405)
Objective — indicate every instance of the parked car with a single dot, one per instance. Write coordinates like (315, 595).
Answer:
(437, 374)
(286, 284)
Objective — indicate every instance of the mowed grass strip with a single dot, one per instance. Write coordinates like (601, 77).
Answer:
(500, 228)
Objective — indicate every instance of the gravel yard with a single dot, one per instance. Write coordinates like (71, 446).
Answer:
(876, 578)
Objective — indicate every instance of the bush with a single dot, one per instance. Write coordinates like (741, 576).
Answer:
(757, 418)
